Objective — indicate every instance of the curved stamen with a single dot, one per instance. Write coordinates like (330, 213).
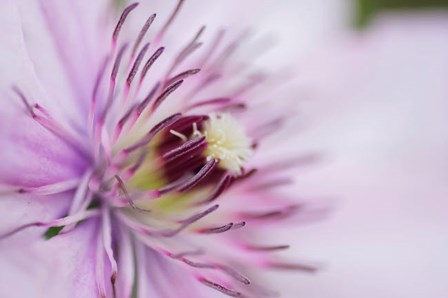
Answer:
(95, 91)
(214, 101)
(75, 218)
(127, 196)
(143, 229)
(223, 184)
(142, 33)
(227, 270)
(203, 172)
(155, 130)
(219, 288)
(142, 106)
(165, 94)
(186, 148)
(222, 229)
(213, 47)
(170, 20)
(121, 21)
(182, 76)
(260, 248)
(291, 266)
(150, 62)
(136, 65)
(217, 230)
(266, 215)
(187, 222)
(186, 51)
(113, 78)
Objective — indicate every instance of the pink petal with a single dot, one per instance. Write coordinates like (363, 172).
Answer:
(63, 266)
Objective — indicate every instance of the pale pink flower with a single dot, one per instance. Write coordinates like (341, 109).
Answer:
(141, 158)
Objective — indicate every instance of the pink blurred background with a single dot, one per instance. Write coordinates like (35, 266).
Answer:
(376, 104)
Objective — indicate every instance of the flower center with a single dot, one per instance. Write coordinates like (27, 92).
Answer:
(227, 142)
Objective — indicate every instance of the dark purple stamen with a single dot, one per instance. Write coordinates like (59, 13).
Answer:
(220, 288)
(113, 75)
(213, 47)
(203, 172)
(138, 164)
(121, 21)
(234, 107)
(155, 130)
(236, 275)
(272, 184)
(142, 33)
(141, 107)
(125, 117)
(220, 188)
(200, 215)
(197, 264)
(165, 94)
(214, 101)
(187, 122)
(151, 61)
(217, 230)
(187, 148)
(267, 248)
(98, 80)
(175, 171)
(292, 266)
(281, 213)
(203, 265)
(187, 222)
(182, 76)
(186, 51)
(170, 20)
(136, 65)
(186, 254)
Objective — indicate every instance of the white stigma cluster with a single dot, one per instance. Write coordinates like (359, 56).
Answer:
(227, 142)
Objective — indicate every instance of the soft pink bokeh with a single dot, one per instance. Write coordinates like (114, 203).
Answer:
(379, 109)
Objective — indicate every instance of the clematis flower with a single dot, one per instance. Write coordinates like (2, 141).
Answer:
(157, 152)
